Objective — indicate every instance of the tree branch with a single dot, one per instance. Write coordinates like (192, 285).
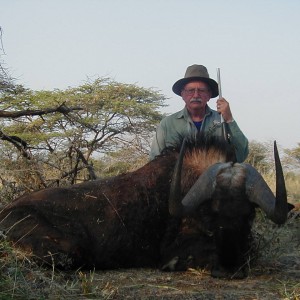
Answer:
(20, 144)
(16, 114)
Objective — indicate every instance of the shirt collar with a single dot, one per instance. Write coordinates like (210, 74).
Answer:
(184, 112)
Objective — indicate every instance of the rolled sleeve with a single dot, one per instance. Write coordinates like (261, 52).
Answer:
(158, 142)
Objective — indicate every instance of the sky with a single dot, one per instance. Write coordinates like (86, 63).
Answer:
(56, 44)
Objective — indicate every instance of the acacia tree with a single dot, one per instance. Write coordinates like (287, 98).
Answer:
(6, 82)
(56, 135)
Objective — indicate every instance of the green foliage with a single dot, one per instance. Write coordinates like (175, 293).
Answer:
(292, 181)
(295, 153)
(260, 156)
(102, 116)
(293, 158)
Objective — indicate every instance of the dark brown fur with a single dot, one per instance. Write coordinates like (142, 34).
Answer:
(117, 222)
(124, 221)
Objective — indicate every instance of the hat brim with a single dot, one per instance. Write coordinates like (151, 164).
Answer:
(178, 85)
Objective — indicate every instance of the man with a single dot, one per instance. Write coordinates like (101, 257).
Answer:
(196, 89)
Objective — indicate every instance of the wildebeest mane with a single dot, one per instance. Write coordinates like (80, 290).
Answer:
(202, 152)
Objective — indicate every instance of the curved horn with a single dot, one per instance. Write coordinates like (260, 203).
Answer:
(175, 206)
(259, 192)
(203, 188)
(200, 191)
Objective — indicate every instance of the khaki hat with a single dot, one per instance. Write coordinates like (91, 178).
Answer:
(196, 72)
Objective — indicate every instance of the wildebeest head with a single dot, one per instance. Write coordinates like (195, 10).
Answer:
(230, 177)
(221, 202)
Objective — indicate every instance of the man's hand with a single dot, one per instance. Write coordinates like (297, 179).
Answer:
(224, 109)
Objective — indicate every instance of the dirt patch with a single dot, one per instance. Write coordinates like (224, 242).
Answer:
(274, 275)
(193, 284)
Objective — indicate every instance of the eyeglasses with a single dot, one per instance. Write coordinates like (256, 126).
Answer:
(191, 92)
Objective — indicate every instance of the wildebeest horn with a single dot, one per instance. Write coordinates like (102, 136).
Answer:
(259, 192)
(203, 188)
(175, 206)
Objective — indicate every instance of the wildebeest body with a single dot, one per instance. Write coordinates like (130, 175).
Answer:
(199, 216)
(118, 222)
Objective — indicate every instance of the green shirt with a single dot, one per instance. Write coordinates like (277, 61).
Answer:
(172, 129)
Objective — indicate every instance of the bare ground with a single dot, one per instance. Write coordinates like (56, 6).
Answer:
(193, 284)
(275, 274)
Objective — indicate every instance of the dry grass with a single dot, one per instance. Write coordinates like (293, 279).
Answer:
(275, 275)
(293, 188)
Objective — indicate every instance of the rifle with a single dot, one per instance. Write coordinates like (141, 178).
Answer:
(224, 129)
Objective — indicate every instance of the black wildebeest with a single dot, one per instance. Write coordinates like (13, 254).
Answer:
(138, 220)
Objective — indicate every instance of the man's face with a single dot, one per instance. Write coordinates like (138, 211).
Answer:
(196, 94)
